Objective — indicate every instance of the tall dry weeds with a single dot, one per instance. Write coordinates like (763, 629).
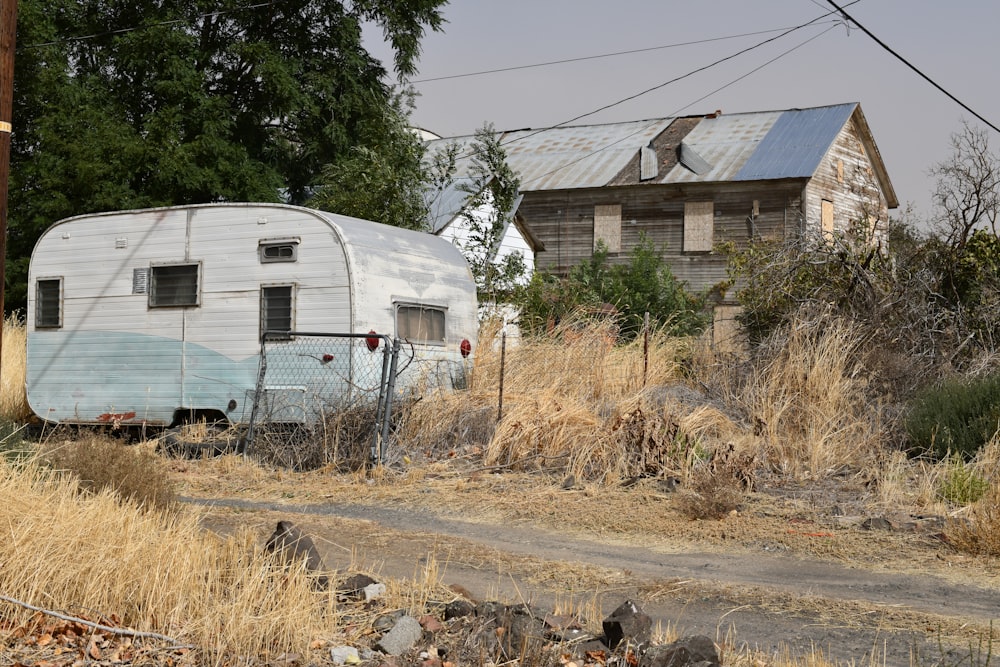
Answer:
(13, 398)
(805, 400)
(94, 556)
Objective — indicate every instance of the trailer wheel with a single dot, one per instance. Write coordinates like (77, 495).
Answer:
(184, 441)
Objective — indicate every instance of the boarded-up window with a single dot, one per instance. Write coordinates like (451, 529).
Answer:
(699, 218)
(277, 310)
(173, 285)
(48, 303)
(608, 226)
(420, 324)
(826, 219)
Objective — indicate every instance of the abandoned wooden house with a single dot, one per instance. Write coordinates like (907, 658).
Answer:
(690, 183)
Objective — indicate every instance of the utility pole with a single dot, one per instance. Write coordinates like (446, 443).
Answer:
(8, 34)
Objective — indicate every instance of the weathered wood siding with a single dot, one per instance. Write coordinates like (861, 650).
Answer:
(845, 178)
(564, 222)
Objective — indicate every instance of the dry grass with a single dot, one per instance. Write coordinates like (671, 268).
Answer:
(93, 555)
(98, 463)
(806, 402)
(572, 404)
(13, 399)
(98, 556)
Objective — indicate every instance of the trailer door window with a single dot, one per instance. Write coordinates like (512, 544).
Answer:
(48, 303)
(420, 324)
(173, 285)
(276, 310)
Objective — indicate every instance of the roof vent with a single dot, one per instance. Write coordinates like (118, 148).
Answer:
(648, 164)
(689, 157)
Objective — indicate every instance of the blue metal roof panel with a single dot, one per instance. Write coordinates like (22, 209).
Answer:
(795, 145)
(725, 143)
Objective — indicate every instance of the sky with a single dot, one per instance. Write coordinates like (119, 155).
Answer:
(955, 43)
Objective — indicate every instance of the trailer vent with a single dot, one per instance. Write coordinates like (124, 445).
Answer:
(121, 242)
(140, 278)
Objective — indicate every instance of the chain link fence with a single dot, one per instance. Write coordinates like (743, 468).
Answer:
(322, 398)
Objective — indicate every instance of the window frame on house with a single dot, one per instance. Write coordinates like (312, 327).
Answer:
(44, 303)
(608, 226)
(414, 326)
(699, 227)
(186, 293)
(274, 306)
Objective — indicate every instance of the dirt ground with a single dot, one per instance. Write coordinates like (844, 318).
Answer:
(793, 571)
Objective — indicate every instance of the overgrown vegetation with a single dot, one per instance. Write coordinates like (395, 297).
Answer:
(621, 294)
(958, 416)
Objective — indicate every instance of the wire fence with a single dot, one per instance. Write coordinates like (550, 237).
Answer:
(322, 398)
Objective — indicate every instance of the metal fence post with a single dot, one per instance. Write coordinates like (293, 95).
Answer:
(389, 391)
(248, 445)
(503, 361)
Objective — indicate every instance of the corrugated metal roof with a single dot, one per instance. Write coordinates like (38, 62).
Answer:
(796, 144)
(563, 158)
(725, 143)
(735, 147)
(577, 157)
(445, 204)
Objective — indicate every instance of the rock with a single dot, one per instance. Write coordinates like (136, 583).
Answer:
(373, 591)
(876, 523)
(404, 634)
(693, 651)
(344, 655)
(354, 586)
(458, 609)
(459, 589)
(293, 547)
(627, 622)
(431, 624)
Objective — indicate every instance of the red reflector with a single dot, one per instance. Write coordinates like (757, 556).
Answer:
(465, 347)
(372, 341)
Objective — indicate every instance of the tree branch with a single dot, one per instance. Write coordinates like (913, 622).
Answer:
(90, 624)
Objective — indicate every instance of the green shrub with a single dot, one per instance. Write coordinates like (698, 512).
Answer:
(644, 284)
(958, 416)
(961, 484)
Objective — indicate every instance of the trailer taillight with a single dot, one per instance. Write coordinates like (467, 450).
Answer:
(465, 347)
(372, 341)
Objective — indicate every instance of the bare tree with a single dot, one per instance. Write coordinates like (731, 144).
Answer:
(967, 194)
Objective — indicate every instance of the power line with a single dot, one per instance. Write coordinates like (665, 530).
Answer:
(674, 80)
(910, 65)
(602, 55)
(723, 87)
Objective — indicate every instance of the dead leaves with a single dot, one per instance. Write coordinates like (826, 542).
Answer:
(45, 642)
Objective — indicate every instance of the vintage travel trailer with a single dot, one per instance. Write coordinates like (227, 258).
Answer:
(152, 317)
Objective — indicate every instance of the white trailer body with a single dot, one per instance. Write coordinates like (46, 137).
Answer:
(141, 317)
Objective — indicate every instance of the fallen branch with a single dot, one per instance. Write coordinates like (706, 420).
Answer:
(91, 624)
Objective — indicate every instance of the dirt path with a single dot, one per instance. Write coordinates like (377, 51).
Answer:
(763, 600)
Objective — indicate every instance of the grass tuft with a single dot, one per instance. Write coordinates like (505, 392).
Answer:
(134, 473)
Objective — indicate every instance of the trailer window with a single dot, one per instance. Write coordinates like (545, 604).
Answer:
(420, 324)
(48, 303)
(276, 310)
(278, 251)
(173, 285)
